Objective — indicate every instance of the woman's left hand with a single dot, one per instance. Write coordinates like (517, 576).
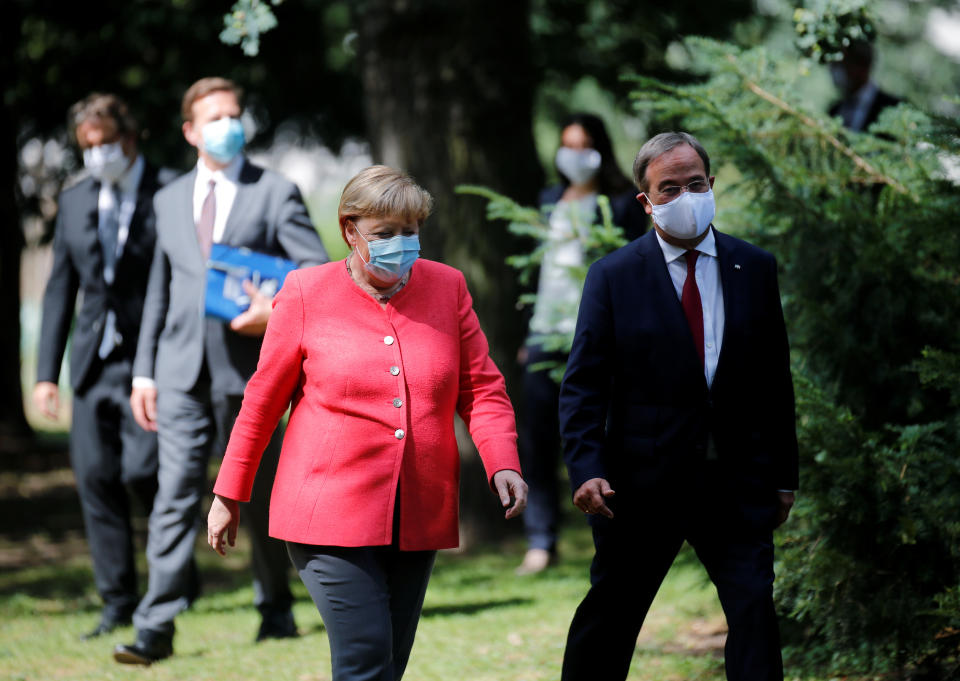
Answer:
(223, 519)
(509, 485)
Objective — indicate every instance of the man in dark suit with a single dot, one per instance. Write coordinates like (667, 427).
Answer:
(190, 372)
(677, 415)
(103, 246)
(861, 100)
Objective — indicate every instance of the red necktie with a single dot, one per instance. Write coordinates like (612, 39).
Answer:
(690, 301)
(208, 214)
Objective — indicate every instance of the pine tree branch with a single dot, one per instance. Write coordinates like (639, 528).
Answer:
(859, 161)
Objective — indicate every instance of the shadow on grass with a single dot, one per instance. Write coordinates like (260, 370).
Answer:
(61, 582)
(473, 608)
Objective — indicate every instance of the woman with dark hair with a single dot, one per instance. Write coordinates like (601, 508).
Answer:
(587, 168)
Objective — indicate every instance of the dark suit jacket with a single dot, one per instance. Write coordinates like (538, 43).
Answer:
(267, 215)
(880, 102)
(627, 212)
(78, 267)
(634, 405)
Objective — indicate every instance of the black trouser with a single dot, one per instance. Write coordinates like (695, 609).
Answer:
(370, 599)
(112, 458)
(540, 449)
(635, 550)
(193, 425)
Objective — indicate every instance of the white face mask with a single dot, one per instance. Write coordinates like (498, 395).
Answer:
(578, 165)
(687, 216)
(106, 162)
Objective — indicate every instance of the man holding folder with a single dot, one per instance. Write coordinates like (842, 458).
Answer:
(190, 371)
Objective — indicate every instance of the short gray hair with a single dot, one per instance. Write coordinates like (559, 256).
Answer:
(657, 146)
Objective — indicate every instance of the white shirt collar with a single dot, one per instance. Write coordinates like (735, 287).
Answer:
(231, 173)
(670, 252)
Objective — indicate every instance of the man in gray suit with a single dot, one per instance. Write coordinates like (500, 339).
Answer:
(190, 372)
(102, 248)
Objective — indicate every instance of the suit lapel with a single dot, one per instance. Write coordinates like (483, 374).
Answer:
(665, 300)
(145, 192)
(185, 223)
(730, 280)
(240, 204)
(90, 223)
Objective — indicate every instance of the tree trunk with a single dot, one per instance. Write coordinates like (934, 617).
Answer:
(448, 92)
(13, 424)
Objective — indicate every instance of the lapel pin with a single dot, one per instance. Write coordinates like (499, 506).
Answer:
(736, 267)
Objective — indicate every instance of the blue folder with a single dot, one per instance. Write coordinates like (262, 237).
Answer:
(227, 269)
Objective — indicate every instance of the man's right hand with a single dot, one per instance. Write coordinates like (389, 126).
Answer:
(143, 401)
(46, 398)
(591, 497)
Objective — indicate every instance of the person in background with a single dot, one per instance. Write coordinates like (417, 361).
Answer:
(376, 354)
(102, 248)
(190, 372)
(587, 167)
(861, 100)
(678, 421)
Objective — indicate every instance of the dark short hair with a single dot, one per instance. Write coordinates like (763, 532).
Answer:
(101, 106)
(859, 52)
(204, 87)
(660, 144)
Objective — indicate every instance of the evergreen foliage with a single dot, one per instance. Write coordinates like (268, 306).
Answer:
(864, 228)
(247, 20)
(596, 240)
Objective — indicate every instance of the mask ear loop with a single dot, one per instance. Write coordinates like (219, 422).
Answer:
(354, 248)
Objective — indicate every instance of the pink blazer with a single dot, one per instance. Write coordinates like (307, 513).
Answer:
(374, 393)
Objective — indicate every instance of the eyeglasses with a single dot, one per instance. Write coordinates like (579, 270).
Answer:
(695, 187)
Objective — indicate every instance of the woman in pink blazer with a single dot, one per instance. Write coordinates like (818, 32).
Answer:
(376, 353)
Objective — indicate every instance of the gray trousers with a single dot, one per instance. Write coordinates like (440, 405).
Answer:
(191, 426)
(370, 599)
(112, 457)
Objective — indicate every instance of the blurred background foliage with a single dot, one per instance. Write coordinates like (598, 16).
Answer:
(864, 225)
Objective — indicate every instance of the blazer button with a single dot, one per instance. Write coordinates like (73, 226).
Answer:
(397, 402)
(395, 370)
(388, 340)
(398, 434)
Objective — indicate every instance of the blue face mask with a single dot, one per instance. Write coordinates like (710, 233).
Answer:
(391, 258)
(223, 139)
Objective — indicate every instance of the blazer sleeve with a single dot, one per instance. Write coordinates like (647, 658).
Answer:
(585, 391)
(784, 419)
(295, 231)
(268, 393)
(59, 300)
(155, 305)
(482, 401)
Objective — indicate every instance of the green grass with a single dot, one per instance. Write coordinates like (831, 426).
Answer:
(480, 622)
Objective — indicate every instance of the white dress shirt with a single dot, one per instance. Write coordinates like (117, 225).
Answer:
(711, 294)
(225, 191)
(558, 294)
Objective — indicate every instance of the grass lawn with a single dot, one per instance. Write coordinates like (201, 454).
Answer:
(480, 621)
